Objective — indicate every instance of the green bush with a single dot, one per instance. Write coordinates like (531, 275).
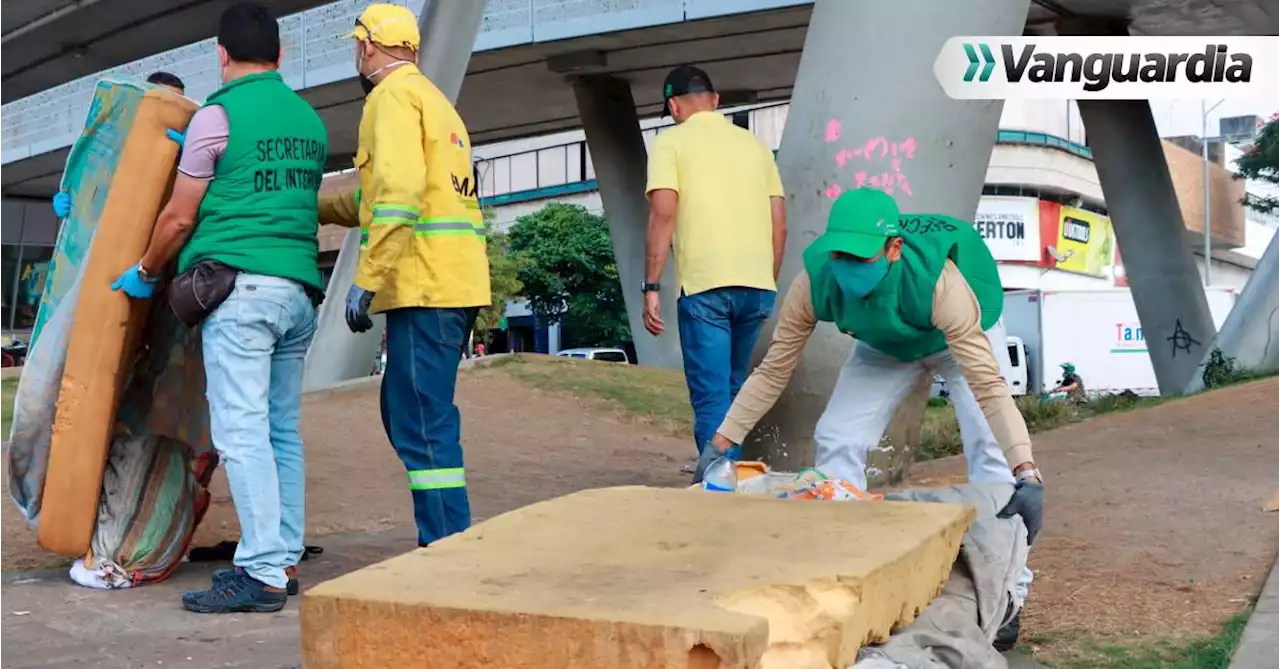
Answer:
(940, 433)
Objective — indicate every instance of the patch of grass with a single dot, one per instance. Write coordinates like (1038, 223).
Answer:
(1202, 652)
(940, 434)
(7, 389)
(654, 396)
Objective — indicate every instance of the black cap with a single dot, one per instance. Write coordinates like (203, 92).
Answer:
(682, 81)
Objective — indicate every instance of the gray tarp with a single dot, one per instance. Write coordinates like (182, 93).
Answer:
(956, 630)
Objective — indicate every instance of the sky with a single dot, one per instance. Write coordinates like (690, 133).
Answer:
(1182, 117)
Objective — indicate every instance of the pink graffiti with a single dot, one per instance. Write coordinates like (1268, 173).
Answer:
(902, 183)
(833, 131)
(872, 144)
(909, 147)
(874, 152)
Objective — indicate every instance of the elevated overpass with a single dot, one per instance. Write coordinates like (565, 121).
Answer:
(44, 43)
(515, 84)
(537, 66)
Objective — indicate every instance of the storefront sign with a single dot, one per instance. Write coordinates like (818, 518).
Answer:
(1086, 242)
(1010, 226)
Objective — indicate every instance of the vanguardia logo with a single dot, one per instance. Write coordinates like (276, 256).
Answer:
(1130, 68)
(988, 62)
(1098, 70)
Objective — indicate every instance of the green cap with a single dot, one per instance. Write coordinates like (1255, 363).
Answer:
(859, 223)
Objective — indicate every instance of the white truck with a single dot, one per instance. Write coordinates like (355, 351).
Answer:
(1015, 373)
(1097, 330)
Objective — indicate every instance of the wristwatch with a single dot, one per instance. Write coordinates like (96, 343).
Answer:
(1032, 475)
(647, 287)
(143, 273)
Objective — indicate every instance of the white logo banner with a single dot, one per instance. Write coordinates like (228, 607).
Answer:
(1109, 68)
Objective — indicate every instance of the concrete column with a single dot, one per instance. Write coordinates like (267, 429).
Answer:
(1251, 333)
(608, 113)
(449, 29)
(1150, 230)
(867, 110)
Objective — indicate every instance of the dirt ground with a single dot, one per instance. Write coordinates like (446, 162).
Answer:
(522, 445)
(1154, 522)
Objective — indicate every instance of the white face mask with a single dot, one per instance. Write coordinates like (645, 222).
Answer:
(366, 80)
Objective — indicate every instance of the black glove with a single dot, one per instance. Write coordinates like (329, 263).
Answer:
(358, 301)
(1027, 502)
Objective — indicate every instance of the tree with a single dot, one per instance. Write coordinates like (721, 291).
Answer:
(504, 277)
(1259, 163)
(569, 273)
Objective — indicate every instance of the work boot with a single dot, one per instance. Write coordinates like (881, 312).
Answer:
(1007, 636)
(236, 592)
(290, 572)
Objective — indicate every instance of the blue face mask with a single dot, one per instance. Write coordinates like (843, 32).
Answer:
(858, 279)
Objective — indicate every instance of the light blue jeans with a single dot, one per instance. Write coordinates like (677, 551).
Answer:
(254, 347)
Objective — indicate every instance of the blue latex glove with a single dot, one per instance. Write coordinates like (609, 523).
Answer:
(710, 454)
(176, 136)
(358, 301)
(1028, 502)
(133, 285)
(62, 204)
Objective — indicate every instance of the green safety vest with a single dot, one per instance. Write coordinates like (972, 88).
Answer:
(259, 214)
(896, 318)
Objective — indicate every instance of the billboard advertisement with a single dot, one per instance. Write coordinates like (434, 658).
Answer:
(1010, 226)
(1086, 242)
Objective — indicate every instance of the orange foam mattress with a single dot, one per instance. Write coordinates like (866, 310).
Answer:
(106, 325)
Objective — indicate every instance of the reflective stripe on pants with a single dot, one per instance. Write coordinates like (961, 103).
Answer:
(437, 479)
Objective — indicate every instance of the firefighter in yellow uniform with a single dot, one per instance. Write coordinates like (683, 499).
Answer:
(422, 258)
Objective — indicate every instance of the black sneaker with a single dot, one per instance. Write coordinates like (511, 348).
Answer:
(291, 588)
(1007, 637)
(236, 592)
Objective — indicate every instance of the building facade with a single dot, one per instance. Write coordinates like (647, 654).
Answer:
(1042, 210)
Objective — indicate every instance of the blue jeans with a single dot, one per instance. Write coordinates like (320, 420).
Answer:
(424, 347)
(254, 347)
(718, 330)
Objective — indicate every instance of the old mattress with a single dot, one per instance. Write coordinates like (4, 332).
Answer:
(108, 379)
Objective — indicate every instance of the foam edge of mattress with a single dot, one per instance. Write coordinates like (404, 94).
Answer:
(107, 325)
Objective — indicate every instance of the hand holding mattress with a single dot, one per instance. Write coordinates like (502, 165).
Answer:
(134, 284)
(62, 204)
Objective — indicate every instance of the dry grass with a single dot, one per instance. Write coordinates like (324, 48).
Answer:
(1086, 650)
(940, 434)
(656, 397)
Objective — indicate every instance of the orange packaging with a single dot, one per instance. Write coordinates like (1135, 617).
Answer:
(838, 490)
(750, 470)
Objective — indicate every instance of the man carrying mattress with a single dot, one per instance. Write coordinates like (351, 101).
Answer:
(422, 258)
(921, 293)
(242, 214)
(62, 200)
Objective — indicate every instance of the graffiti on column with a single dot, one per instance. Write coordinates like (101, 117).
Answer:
(876, 162)
(1181, 339)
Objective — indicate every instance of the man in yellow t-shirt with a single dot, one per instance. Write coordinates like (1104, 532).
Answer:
(715, 188)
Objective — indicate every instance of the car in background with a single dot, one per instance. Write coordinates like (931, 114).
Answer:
(603, 354)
